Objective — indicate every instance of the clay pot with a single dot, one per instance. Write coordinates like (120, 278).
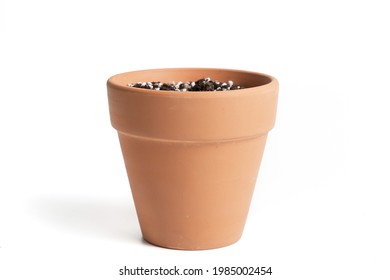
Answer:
(192, 158)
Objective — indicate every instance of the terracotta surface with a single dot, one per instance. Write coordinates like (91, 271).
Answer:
(192, 158)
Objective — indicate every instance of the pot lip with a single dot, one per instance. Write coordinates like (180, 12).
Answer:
(198, 94)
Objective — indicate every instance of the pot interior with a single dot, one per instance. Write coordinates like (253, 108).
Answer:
(246, 79)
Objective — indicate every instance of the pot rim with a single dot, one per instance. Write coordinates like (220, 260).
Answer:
(114, 81)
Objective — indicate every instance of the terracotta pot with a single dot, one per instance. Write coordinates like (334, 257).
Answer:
(192, 158)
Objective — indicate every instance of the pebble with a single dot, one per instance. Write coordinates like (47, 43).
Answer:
(205, 84)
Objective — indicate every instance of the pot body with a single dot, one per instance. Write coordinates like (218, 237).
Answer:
(192, 158)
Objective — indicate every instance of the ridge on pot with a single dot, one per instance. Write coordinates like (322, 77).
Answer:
(192, 158)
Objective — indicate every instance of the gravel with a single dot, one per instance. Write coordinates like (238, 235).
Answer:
(205, 84)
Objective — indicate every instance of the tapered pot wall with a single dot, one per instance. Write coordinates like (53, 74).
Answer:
(192, 195)
(192, 159)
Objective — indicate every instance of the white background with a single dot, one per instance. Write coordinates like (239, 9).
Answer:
(321, 204)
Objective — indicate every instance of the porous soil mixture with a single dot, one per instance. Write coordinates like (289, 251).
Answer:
(205, 84)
